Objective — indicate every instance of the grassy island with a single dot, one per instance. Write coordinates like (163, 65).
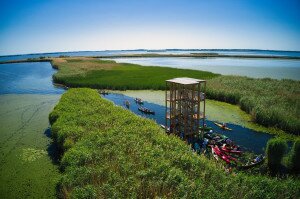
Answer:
(274, 103)
(109, 152)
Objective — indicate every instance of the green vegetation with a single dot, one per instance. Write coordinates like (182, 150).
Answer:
(294, 158)
(110, 152)
(273, 103)
(111, 75)
(276, 148)
(270, 102)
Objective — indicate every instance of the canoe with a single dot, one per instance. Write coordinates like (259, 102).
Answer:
(127, 103)
(145, 110)
(221, 126)
(139, 101)
(104, 92)
(253, 164)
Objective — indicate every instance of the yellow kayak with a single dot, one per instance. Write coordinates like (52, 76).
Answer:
(221, 126)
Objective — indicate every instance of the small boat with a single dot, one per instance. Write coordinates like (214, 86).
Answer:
(146, 110)
(139, 101)
(222, 127)
(217, 151)
(257, 161)
(227, 158)
(164, 127)
(127, 103)
(227, 150)
(206, 128)
(103, 92)
(216, 137)
(214, 154)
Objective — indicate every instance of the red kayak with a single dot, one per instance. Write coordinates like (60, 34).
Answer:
(225, 149)
(220, 154)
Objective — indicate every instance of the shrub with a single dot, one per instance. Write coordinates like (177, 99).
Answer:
(276, 148)
(294, 157)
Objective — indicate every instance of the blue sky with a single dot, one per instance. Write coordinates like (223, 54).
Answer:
(56, 25)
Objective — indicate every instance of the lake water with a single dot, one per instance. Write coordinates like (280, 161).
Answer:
(27, 78)
(257, 68)
(164, 51)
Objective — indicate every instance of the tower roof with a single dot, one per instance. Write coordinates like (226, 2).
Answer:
(185, 80)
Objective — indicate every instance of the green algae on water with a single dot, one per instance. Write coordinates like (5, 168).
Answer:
(27, 169)
(31, 154)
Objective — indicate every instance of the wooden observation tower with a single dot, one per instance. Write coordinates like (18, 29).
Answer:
(185, 106)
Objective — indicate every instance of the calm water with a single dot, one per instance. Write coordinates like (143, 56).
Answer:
(167, 51)
(249, 139)
(257, 68)
(27, 78)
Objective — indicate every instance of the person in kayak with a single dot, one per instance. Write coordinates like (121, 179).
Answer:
(223, 125)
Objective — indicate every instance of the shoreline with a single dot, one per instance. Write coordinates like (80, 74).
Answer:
(155, 55)
(198, 55)
(290, 135)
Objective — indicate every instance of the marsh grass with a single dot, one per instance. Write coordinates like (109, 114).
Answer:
(272, 103)
(110, 152)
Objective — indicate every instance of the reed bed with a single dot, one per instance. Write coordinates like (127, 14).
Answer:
(273, 103)
(109, 152)
(270, 102)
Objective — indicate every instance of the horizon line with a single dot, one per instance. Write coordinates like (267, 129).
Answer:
(145, 49)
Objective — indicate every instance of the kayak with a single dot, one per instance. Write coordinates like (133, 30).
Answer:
(205, 128)
(215, 136)
(103, 92)
(139, 100)
(224, 149)
(145, 110)
(214, 154)
(220, 154)
(221, 126)
(164, 127)
(260, 159)
(127, 103)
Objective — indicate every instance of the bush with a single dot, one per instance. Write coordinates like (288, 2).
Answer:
(294, 157)
(276, 148)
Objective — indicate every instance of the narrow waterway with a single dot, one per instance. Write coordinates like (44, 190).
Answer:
(248, 139)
